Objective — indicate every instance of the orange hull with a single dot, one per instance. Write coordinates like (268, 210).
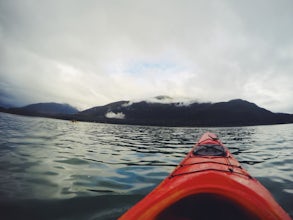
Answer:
(208, 184)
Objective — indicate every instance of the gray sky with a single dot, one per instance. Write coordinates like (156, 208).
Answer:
(88, 53)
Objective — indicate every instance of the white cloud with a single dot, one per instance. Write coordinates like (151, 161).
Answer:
(178, 101)
(91, 53)
(118, 115)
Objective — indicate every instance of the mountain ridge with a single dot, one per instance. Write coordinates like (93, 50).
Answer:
(158, 112)
(235, 112)
(47, 109)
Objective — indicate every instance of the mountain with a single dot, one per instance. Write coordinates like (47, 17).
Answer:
(51, 108)
(162, 111)
(44, 109)
(232, 113)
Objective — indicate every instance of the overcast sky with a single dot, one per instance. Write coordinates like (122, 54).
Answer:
(88, 53)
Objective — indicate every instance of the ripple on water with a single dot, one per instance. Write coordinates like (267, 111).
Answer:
(73, 161)
(57, 160)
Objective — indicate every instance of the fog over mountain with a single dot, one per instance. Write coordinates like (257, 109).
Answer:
(164, 111)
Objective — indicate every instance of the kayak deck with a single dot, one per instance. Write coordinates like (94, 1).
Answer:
(208, 184)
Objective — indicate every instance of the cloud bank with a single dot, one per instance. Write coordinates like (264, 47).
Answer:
(89, 53)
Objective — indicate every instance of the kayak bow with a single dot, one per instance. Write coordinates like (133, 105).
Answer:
(208, 184)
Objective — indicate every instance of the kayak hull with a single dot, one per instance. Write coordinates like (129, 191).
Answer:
(208, 187)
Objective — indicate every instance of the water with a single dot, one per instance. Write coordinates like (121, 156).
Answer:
(54, 169)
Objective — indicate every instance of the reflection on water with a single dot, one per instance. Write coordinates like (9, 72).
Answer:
(58, 169)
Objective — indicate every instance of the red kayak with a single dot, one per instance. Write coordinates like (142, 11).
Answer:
(208, 184)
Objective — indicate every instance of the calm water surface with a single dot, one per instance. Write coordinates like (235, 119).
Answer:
(54, 169)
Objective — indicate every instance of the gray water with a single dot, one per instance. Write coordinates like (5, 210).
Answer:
(54, 169)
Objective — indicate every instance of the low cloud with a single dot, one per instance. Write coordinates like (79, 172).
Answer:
(118, 115)
(163, 99)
